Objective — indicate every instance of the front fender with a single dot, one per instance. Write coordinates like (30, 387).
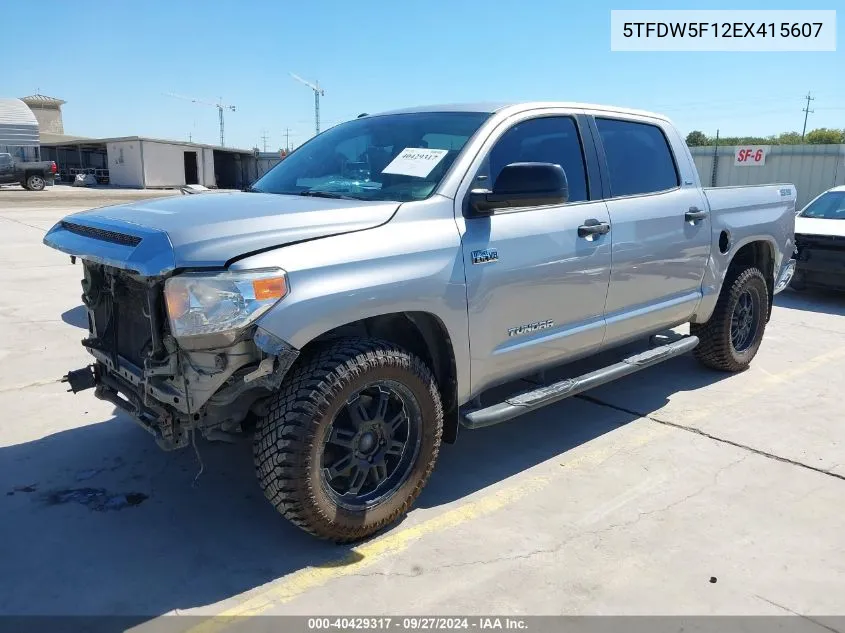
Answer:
(403, 266)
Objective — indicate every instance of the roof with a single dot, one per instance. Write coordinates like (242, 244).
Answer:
(491, 107)
(83, 140)
(42, 100)
(48, 138)
(18, 125)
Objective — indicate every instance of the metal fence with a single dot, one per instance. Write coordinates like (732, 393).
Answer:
(811, 168)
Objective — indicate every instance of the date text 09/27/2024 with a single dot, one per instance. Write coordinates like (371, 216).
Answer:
(415, 623)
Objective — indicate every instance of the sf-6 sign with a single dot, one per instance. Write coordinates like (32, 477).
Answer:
(751, 155)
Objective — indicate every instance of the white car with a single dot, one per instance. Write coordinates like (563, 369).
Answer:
(820, 242)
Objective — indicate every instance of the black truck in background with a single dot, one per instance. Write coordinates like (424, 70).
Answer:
(31, 175)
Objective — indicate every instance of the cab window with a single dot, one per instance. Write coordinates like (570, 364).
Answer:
(543, 140)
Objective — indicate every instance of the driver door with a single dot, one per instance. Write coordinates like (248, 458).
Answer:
(536, 287)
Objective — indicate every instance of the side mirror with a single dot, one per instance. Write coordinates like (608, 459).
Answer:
(522, 185)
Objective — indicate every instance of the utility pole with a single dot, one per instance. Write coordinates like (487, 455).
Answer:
(806, 112)
(287, 139)
(318, 92)
(264, 139)
(715, 161)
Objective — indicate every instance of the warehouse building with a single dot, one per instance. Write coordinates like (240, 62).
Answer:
(47, 111)
(811, 168)
(135, 161)
(18, 130)
(32, 128)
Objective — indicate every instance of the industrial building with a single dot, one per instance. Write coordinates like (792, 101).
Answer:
(18, 130)
(811, 168)
(32, 128)
(134, 161)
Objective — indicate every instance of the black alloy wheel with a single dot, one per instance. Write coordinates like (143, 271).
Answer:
(371, 445)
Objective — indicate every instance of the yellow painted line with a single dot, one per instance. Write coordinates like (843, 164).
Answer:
(596, 457)
(769, 380)
(367, 555)
(290, 587)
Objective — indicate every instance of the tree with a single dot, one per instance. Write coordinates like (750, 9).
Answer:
(788, 138)
(824, 135)
(696, 138)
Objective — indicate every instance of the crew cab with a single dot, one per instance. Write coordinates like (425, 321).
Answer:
(359, 303)
(820, 242)
(32, 175)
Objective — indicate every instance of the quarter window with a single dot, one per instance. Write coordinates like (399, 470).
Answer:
(638, 157)
(543, 140)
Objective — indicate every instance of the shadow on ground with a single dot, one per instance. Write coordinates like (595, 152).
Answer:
(77, 317)
(97, 520)
(824, 301)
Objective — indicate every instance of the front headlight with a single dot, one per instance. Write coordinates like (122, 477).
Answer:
(201, 303)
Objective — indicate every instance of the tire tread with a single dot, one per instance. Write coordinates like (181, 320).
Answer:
(714, 349)
(284, 436)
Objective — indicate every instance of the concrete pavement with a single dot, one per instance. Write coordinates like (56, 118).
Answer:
(674, 491)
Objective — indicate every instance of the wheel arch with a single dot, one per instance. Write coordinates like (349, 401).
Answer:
(423, 334)
(759, 253)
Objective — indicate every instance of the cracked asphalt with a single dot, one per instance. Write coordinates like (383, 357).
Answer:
(674, 491)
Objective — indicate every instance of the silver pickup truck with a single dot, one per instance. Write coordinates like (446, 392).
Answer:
(356, 306)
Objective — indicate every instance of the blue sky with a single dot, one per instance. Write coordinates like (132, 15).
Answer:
(374, 55)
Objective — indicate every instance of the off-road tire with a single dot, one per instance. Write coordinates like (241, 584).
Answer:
(715, 349)
(35, 183)
(289, 439)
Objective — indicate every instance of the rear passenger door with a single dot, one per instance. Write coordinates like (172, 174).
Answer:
(661, 231)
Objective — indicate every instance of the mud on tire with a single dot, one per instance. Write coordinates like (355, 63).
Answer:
(290, 446)
(723, 345)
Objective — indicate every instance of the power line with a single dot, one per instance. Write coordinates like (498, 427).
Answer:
(264, 138)
(806, 112)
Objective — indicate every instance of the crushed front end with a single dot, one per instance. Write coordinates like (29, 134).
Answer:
(178, 350)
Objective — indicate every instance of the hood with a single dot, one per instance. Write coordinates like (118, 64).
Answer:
(206, 231)
(819, 226)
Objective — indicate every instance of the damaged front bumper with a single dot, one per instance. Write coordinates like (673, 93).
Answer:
(207, 390)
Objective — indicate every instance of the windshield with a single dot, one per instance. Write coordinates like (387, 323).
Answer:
(393, 157)
(828, 206)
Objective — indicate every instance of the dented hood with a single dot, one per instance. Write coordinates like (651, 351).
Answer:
(206, 231)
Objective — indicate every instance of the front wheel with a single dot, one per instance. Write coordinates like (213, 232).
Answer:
(35, 183)
(350, 439)
(732, 336)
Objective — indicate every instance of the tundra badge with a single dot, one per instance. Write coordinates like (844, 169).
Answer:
(485, 256)
(530, 327)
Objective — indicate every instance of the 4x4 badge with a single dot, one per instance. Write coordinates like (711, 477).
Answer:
(485, 256)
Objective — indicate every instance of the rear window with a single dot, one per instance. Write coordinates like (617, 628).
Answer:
(828, 206)
(638, 157)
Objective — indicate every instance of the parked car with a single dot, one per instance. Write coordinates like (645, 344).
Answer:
(820, 242)
(31, 175)
(357, 317)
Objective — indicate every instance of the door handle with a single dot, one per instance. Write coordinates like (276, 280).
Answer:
(593, 227)
(695, 214)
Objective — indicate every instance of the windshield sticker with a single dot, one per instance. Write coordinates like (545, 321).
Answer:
(415, 161)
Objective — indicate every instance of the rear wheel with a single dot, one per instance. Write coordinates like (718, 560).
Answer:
(35, 183)
(351, 439)
(732, 336)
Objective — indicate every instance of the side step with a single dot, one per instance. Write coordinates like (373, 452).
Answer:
(537, 398)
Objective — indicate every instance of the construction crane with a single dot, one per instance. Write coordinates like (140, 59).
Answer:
(219, 105)
(318, 92)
